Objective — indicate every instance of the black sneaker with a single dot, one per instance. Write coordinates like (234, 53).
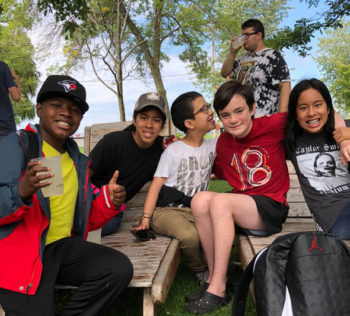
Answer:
(198, 294)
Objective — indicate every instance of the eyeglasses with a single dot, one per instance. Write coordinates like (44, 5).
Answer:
(246, 35)
(205, 109)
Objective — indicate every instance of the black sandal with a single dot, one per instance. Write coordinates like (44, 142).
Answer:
(207, 303)
(198, 294)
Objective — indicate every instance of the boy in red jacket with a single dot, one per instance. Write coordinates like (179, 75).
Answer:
(42, 238)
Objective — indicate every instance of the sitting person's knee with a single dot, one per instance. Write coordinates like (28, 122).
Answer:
(189, 239)
(198, 203)
(121, 270)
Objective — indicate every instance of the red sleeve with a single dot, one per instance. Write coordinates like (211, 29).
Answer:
(217, 169)
(102, 210)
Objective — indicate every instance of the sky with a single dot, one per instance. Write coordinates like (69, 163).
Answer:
(176, 77)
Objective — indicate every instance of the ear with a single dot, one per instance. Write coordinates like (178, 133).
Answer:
(189, 124)
(39, 108)
(252, 111)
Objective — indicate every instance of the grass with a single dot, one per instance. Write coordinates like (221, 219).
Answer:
(130, 302)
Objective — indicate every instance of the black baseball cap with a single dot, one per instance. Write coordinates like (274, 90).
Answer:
(63, 86)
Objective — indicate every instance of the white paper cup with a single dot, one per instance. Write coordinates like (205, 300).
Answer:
(55, 165)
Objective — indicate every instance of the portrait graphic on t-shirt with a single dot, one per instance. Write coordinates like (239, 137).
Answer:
(244, 70)
(324, 171)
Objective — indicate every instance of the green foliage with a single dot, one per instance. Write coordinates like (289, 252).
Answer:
(69, 11)
(333, 59)
(17, 51)
(299, 37)
(211, 24)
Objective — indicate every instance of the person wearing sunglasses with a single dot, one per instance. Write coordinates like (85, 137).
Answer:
(261, 67)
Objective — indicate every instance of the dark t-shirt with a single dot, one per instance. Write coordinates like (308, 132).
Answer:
(7, 121)
(324, 180)
(118, 151)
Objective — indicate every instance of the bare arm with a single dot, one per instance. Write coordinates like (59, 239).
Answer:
(150, 202)
(338, 120)
(227, 66)
(344, 142)
(15, 92)
(284, 96)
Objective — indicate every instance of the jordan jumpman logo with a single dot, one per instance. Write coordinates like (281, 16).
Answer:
(314, 245)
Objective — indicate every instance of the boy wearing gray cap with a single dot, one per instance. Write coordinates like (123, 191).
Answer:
(134, 152)
(42, 239)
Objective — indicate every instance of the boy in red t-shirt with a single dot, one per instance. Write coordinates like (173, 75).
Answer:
(251, 157)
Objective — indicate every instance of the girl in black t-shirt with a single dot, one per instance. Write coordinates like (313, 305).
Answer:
(324, 180)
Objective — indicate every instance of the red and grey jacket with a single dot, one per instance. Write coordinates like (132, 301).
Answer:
(24, 226)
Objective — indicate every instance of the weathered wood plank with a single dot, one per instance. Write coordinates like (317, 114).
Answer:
(290, 166)
(295, 195)
(166, 272)
(146, 257)
(148, 305)
(99, 130)
(298, 209)
(246, 252)
(87, 137)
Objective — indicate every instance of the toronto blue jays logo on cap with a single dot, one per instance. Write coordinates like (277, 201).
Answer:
(68, 85)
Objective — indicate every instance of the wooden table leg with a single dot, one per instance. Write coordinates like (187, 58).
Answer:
(148, 306)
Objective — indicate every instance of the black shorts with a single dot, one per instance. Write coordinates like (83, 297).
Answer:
(272, 213)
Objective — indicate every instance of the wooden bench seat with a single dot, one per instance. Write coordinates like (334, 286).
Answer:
(155, 262)
(299, 219)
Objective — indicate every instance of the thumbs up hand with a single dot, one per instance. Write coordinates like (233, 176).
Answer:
(117, 192)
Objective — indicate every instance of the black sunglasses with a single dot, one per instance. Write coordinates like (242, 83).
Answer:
(246, 35)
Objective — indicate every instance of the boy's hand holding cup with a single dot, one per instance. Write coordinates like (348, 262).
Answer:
(43, 173)
(236, 43)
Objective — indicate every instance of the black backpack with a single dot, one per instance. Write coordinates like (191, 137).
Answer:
(299, 274)
(29, 143)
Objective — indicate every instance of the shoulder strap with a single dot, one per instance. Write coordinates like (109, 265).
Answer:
(31, 150)
(241, 291)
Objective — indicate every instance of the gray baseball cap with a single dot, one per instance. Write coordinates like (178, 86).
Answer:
(151, 99)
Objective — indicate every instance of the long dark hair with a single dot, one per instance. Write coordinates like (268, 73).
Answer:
(293, 128)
